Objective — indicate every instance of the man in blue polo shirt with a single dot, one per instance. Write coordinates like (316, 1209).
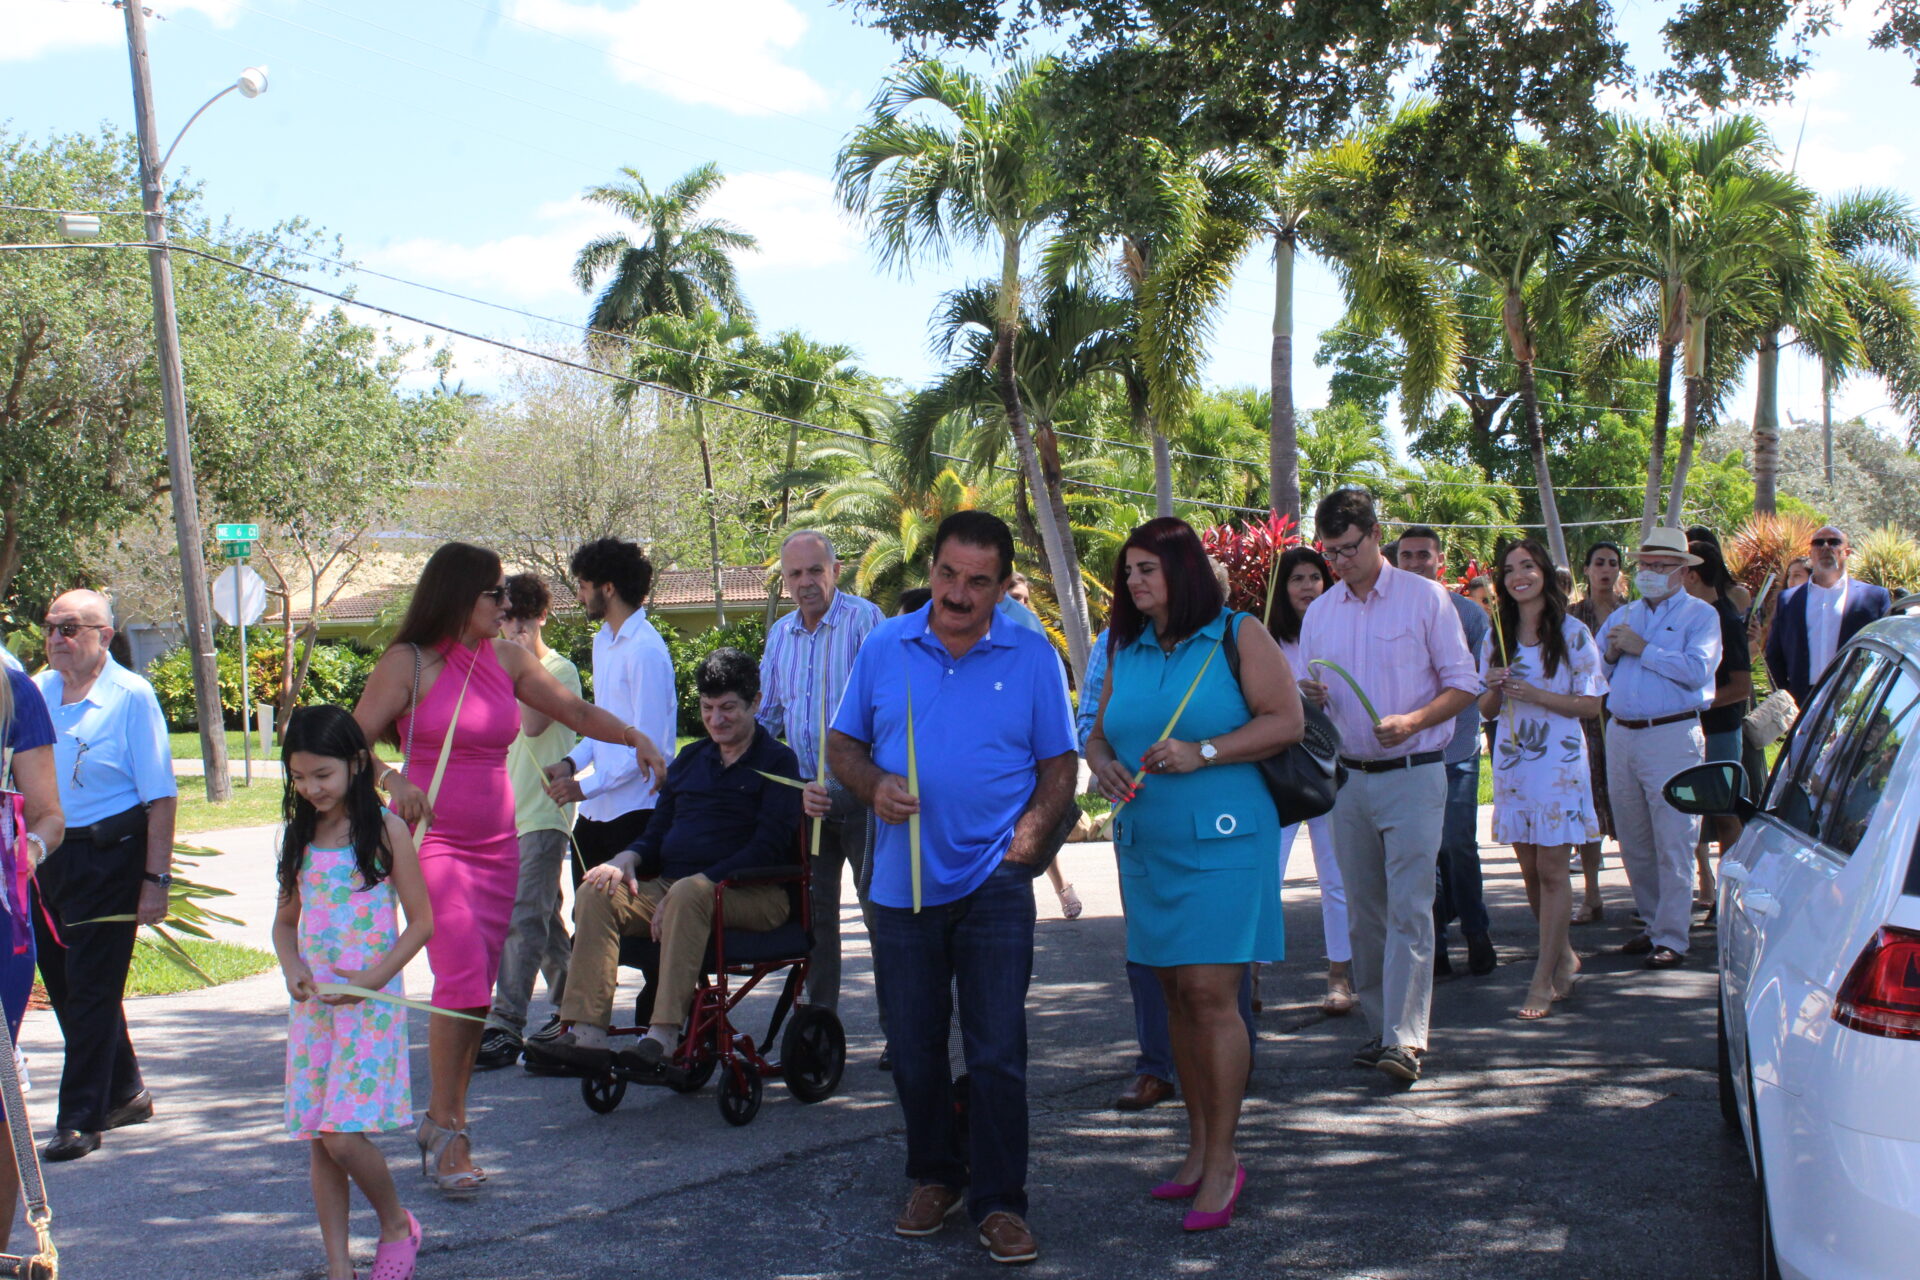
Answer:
(995, 753)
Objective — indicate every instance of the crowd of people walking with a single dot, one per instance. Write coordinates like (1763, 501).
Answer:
(940, 749)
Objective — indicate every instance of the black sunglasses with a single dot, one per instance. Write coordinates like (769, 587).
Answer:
(496, 594)
(1829, 542)
(72, 629)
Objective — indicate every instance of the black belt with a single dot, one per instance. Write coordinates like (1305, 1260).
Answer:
(1398, 762)
(1656, 721)
(108, 832)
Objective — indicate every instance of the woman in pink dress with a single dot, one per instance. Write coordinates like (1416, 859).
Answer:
(446, 660)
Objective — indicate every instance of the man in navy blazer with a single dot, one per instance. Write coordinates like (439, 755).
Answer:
(1818, 617)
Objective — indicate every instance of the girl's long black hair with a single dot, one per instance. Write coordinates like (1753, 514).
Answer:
(332, 732)
(1553, 611)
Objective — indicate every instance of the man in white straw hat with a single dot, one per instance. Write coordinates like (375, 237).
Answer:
(1661, 653)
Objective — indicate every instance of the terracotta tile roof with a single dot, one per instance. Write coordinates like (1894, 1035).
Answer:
(672, 589)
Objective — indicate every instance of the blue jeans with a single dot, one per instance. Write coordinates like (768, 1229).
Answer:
(1150, 1021)
(984, 943)
(1458, 895)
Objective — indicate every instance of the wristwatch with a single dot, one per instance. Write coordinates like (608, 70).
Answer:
(1208, 752)
(164, 879)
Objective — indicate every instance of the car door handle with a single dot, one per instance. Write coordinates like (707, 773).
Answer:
(1759, 902)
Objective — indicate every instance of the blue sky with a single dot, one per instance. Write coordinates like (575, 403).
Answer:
(447, 141)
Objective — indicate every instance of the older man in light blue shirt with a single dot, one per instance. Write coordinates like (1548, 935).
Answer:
(1661, 652)
(116, 786)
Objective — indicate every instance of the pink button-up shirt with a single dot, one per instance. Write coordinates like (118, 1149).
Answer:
(1403, 643)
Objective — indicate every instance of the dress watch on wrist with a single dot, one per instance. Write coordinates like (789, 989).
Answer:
(162, 878)
(1208, 752)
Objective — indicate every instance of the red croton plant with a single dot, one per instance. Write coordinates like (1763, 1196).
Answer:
(1251, 552)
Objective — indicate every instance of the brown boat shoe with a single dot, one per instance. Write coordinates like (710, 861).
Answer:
(1007, 1238)
(926, 1211)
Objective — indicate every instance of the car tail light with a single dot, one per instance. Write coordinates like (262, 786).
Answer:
(1881, 995)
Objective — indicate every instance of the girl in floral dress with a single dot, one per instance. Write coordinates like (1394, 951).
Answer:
(1542, 673)
(344, 860)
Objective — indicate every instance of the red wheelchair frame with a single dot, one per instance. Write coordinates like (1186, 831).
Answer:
(813, 1054)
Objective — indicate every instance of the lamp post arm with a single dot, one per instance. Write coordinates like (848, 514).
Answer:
(161, 169)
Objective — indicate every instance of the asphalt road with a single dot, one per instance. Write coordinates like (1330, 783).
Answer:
(1586, 1147)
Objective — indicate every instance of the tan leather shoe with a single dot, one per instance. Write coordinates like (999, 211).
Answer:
(1145, 1091)
(1008, 1239)
(926, 1211)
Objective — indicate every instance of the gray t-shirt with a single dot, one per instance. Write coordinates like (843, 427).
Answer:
(1466, 726)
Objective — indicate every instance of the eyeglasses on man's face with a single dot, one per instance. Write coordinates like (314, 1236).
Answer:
(1829, 542)
(1338, 552)
(72, 629)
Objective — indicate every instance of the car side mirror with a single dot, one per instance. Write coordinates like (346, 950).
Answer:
(1715, 789)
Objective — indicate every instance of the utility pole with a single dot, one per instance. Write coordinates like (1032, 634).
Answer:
(186, 503)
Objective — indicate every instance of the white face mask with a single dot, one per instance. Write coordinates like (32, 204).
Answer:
(1654, 586)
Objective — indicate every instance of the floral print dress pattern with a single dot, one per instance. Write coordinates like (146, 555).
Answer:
(1542, 792)
(346, 1064)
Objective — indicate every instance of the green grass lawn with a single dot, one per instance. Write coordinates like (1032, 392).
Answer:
(253, 806)
(186, 746)
(155, 975)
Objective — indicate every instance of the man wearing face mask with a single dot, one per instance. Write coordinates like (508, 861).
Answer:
(1661, 653)
(1813, 622)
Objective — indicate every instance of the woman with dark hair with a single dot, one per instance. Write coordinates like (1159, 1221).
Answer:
(1195, 838)
(1542, 671)
(28, 833)
(449, 691)
(1303, 577)
(1732, 690)
(1603, 595)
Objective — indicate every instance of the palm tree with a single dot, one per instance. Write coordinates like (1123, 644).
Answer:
(709, 358)
(977, 174)
(681, 266)
(1680, 229)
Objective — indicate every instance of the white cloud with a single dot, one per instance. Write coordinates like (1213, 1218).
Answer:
(794, 216)
(1831, 170)
(722, 53)
(36, 27)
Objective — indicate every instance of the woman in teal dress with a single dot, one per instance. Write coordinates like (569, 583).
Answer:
(1195, 837)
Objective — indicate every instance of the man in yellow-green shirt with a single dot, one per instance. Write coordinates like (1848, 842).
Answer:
(537, 940)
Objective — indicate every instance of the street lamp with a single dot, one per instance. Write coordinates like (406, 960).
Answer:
(186, 504)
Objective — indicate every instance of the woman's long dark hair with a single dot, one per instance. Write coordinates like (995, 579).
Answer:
(1194, 598)
(334, 733)
(1553, 613)
(443, 599)
(1712, 568)
(1286, 619)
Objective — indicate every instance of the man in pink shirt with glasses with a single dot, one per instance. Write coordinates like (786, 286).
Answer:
(1397, 635)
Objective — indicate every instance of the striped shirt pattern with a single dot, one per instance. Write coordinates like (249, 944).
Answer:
(800, 666)
(1403, 643)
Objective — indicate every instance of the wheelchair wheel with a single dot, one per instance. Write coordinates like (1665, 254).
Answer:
(693, 1080)
(813, 1053)
(602, 1093)
(740, 1094)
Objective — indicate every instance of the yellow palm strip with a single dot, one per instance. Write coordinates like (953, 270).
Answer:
(367, 993)
(783, 780)
(1167, 732)
(913, 789)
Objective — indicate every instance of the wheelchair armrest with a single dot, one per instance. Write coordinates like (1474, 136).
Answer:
(763, 875)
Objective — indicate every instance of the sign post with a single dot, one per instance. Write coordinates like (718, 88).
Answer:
(240, 597)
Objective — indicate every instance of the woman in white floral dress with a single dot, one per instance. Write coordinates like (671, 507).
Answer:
(1538, 691)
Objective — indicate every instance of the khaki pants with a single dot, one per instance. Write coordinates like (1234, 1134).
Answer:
(1656, 839)
(1386, 830)
(685, 908)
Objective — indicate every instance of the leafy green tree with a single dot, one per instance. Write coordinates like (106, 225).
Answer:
(944, 159)
(708, 357)
(681, 265)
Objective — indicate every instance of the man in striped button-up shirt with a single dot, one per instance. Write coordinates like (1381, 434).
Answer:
(1399, 638)
(802, 675)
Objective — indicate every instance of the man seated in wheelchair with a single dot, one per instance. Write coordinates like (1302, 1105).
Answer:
(717, 814)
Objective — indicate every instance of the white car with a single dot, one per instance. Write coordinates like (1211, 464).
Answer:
(1819, 920)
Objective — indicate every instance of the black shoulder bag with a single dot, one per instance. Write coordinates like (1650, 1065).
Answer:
(1305, 778)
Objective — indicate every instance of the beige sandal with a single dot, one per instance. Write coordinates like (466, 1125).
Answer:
(1338, 1002)
(434, 1140)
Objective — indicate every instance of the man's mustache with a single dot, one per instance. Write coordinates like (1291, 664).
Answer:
(951, 607)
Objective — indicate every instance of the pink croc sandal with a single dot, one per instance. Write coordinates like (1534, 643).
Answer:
(394, 1260)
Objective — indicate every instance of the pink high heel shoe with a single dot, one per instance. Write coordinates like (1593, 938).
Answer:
(1199, 1221)
(1175, 1191)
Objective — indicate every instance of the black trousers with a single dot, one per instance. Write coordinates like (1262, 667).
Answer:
(85, 971)
(599, 841)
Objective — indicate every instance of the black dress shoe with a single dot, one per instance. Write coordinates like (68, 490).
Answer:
(886, 1059)
(1442, 964)
(1638, 945)
(135, 1110)
(70, 1144)
(1481, 957)
(570, 1052)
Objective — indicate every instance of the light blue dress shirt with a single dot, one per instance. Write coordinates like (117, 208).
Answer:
(110, 747)
(1675, 673)
(1013, 611)
(1466, 726)
(982, 723)
(800, 669)
(1088, 709)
